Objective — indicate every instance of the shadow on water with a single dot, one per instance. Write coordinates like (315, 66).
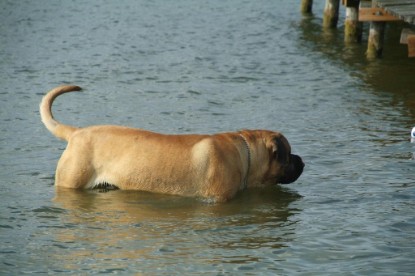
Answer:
(143, 206)
(138, 225)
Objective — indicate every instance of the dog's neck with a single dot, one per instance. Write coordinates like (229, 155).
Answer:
(248, 150)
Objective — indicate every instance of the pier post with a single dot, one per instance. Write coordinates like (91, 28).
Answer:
(376, 37)
(331, 13)
(306, 6)
(375, 41)
(352, 27)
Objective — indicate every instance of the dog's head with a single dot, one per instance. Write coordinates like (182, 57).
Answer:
(274, 163)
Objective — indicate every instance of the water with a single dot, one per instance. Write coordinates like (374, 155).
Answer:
(206, 67)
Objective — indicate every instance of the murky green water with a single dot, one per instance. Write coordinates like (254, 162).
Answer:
(205, 67)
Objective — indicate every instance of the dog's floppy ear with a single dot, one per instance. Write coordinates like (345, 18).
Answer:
(279, 150)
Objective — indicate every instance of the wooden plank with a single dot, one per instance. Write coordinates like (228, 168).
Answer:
(383, 3)
(404, 9)
(411, 46)
(399, 9)
(404, 35)
(376, 15)
(406, 15)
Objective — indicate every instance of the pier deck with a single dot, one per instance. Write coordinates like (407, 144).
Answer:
(402, 9)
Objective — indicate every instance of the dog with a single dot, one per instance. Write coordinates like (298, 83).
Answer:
(214, 166)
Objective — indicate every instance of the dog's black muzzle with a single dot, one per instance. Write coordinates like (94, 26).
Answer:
(293, 170)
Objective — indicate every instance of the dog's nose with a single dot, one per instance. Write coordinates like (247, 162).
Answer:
(298, 161)
(302, 163)
(293, 171)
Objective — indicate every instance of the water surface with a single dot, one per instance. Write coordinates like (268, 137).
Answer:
(206, 67)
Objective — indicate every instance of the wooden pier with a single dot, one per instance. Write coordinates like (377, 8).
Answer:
(378, 13)
(402, 9)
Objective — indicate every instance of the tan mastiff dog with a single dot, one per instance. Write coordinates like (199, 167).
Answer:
(210, 166)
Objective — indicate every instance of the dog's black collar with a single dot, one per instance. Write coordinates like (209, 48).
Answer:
(245, 183)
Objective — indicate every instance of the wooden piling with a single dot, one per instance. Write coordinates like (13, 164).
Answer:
(375, 41)
(352, 27)
(331, 13)
(306, 6)
(376, 36)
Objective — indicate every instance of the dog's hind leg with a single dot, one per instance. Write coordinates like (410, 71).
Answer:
(74, 172)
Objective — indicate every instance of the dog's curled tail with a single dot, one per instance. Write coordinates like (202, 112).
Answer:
(59, 130)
